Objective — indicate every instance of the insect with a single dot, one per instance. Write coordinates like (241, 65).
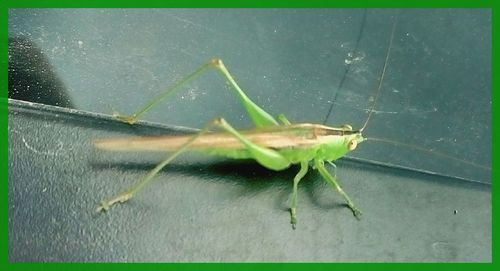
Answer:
(275, 143)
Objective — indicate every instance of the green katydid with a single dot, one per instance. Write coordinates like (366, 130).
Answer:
(275, 144)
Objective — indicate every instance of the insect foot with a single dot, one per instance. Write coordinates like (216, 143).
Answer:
(357, 213)
(106, 205)
(126, 119)
(293, 220)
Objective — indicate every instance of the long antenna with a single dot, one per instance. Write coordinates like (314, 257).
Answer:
(433, 152)
(348, 67)
(381, 79)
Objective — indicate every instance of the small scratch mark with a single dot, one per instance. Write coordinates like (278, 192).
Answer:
(381, 112)
(203, 27)
(416, 110)
(52, 153)
(444, 250)
(35, 150)
(192, 23)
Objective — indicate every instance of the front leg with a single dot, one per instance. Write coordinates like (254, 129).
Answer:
(304, 166)
(320, 166)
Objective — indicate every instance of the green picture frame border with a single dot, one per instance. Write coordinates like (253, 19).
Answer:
(5, 5)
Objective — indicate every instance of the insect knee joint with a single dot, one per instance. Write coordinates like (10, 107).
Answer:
(347, 127)
(216, 62)
(218, 121)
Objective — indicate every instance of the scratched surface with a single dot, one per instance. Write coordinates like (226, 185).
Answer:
(205, 209)
(436, 93)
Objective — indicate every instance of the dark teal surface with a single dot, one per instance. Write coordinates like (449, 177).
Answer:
(436, 95)
(205, 209)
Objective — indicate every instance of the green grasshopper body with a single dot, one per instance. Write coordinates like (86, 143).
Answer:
(295, 143)
(274, 144)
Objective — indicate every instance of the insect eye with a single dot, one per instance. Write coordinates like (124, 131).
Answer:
(347, 127)
(352, 145)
